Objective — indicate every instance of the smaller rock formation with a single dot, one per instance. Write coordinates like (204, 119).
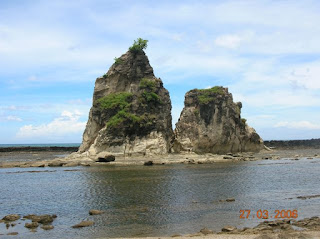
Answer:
(210, 123)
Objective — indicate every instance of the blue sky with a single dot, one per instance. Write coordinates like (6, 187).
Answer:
(266, 52)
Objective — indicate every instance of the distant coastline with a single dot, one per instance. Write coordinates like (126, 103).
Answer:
(290, 144)
(40, 145)
(66, 147)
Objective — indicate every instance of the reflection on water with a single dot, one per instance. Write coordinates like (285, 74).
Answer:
(158, 200)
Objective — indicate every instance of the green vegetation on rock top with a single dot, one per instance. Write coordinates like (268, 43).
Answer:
(138, 45)
(147, 84)
(208, 95)
(216, 89)
(117, 100)
(118, 60)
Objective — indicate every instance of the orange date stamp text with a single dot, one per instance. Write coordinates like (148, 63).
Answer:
(264, 214)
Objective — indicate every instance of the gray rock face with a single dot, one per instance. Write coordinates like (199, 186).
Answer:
(210, 123)
(131, 111)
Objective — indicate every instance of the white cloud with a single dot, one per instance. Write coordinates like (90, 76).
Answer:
(278, 98)
(298, 125)
(67, 123)
(228, 41)
(10, 118)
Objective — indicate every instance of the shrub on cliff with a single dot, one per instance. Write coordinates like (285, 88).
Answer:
(116, 100)
(138, 45)
(149, 94)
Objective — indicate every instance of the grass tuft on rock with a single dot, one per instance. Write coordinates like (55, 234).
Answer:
(149, 94)
(208, 95)
(129, 120)
(115, 101)
(118, 60)
(147, 84)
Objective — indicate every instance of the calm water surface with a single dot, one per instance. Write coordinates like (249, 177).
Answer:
(157, 200)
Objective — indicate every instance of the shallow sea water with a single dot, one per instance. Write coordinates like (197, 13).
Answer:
(157, 200)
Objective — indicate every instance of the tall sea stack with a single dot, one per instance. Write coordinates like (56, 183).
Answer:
(131, 111)
(210, 122)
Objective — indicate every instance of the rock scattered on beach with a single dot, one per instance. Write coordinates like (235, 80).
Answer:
(95, 212)
(227, 200)
(56, 164)
(148, 163)
(43, 219)
(83, 224)
(228, 229)
(11, 217)
(47, 227)
(308, 197)
(230, 200)
(309, 223)
(31, 225)
(206, 231)
(12, 233)
(106, 158)
(176, 235)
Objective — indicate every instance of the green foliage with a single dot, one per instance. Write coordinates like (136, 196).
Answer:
(105, 75)
(150, 97)
(215, 90)
(208, 95)
(129, 120)
(120, 117)
(149, 94)
(147, 84)
(243, 120)
(138, 45)
(118, 60)
(115, 101)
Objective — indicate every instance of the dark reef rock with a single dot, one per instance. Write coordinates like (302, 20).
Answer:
(83, 224)
(95, 212)
(210, 123)
(131, 111)
(148, 163)
(106, 159)
(11, 217)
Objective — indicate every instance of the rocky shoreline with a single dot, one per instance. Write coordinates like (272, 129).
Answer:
(74, 159)
(282, 229)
